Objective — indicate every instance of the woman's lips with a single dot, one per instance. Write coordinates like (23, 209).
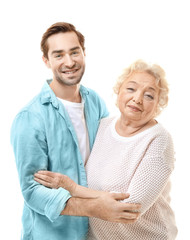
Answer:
(135, 109)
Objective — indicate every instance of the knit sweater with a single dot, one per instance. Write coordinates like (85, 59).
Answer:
(140, 165)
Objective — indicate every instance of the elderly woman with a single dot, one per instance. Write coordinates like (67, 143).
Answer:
(132, 153)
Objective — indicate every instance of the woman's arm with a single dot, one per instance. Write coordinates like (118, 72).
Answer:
(91, 203)
(57, 180)
(152, 174)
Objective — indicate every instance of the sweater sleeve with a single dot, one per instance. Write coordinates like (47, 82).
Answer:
(152, 173)
(31, 154)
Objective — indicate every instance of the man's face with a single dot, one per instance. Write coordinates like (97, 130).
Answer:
(66, 58)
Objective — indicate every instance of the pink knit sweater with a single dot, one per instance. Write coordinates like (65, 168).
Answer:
(140, 165)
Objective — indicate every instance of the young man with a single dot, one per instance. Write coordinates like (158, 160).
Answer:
(56, 132)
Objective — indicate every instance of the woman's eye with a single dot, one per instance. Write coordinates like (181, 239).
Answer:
(130, 89)
(149, 97)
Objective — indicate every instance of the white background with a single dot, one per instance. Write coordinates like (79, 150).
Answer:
(117, 33)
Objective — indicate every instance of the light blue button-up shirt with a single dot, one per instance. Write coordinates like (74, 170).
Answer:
(43, 137)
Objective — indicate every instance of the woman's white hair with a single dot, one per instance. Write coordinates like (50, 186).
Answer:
(154, 70)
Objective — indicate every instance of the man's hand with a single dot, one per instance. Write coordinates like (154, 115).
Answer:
(106, 207)
(110, 209)
(91, 203)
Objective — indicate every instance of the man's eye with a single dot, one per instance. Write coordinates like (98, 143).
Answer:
(58, 56)
(75, 53)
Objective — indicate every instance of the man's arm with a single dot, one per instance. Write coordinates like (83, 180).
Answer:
(31, 154)
(106, 207)
(89, 202)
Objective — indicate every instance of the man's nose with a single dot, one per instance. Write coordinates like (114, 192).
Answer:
(68, 61)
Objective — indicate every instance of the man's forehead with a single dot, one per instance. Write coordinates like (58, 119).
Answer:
(63, 41)
(67, 37)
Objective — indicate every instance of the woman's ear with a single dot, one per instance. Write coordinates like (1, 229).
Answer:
(116, 101)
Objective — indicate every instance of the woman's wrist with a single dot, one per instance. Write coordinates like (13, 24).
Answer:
(68, 184)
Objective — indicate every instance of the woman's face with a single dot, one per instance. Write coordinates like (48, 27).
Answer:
(138, 98)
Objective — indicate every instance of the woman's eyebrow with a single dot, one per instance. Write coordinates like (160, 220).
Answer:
(150, 88)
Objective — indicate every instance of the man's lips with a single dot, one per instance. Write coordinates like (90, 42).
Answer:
(136, 109)
(70, 71)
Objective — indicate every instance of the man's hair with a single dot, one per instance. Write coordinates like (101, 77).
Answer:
(59, 27)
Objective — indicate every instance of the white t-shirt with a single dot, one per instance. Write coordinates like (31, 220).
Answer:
(76, 114)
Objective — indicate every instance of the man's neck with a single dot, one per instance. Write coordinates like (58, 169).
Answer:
(68, 93)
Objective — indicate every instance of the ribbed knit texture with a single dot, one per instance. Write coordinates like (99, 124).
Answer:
(140, 165)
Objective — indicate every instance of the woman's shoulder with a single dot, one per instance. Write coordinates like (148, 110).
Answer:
(160, 130)
(107, 121)
(160, 136)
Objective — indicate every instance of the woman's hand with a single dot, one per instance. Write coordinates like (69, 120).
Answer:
(55, 180)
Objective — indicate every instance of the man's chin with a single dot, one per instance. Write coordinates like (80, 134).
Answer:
(69, 81)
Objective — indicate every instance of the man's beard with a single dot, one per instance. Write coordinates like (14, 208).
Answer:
(69, 81)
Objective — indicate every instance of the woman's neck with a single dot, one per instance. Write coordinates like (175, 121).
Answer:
(129, 128)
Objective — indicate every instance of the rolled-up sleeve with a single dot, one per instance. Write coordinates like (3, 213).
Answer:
(31, 154)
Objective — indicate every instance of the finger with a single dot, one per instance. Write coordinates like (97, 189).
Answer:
(46, 184)
(131, 207)
(130, 215)
(120, 196)
(47, 173)
(126, 221)
(43, 177)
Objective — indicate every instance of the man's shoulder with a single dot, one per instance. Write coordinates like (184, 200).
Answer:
(88, 91)
(92, 97)
(37, 102)
(33, 109)
(33, 105)
(30, 114)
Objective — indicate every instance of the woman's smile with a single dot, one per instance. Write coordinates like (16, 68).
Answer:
(133, 108)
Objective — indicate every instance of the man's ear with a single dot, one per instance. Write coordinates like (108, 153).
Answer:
(46, 61)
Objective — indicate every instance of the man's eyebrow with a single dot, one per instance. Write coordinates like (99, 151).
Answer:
(62, 51)
(74, 48)
(56, 51)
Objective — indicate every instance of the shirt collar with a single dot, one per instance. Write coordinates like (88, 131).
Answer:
(48, 96)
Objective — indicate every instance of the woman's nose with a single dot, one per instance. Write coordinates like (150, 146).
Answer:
(137, 98)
